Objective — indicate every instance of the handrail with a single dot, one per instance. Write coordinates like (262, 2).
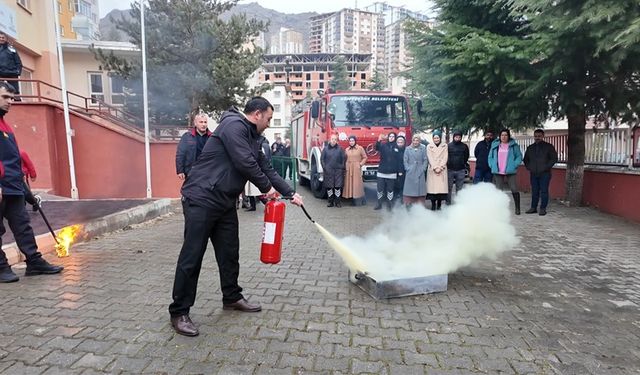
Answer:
(79, 103)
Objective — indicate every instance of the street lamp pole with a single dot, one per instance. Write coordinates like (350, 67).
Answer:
(145, 101)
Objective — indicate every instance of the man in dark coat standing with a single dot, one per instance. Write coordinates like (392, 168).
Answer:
(333, 159)
(481, 152)
(539, 160)
(230, 157)
(191, 145)
(12, 196)
(456, 163)
(10, 63)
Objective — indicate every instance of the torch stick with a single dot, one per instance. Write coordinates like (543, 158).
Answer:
(48, 225)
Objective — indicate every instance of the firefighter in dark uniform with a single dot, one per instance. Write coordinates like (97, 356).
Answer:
(12, 195)
(230, 157)
(10, 63)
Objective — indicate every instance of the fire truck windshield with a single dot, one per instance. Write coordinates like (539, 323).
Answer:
(368, 110)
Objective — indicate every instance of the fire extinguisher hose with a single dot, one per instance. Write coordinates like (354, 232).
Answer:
(303, 210)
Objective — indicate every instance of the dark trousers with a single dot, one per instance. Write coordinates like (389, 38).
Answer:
(457, 178)
(220, 226)
(398, 187)
(540, 189)
(482, 176)
(287, 168)
(12, 208)
(385, 188)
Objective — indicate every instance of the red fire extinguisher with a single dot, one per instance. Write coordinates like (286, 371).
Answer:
(271, 250)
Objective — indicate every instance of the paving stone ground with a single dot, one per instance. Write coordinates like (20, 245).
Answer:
(565, 301)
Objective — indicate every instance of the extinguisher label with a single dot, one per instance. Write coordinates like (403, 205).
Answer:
(269, 236)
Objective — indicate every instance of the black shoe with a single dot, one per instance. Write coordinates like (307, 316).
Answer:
(378, 207)
(242, 305)
(543, 211)
(250, 209)
(7, 275)
(40, 266)
(532, 211)
(183, 325)
(338, 203)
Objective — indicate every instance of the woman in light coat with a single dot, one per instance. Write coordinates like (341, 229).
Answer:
(353, 185)
(415, 165)
(437, 182)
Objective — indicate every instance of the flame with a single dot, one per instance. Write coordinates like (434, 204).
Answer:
(66, 236)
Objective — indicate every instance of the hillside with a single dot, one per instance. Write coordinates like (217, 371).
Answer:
(298, 22)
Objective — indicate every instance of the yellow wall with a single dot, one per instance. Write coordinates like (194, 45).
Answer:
(66, 15)
(35, 41)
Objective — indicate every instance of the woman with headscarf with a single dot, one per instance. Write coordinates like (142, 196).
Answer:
(415, 165)
(437, 182)
(356, 158)
(387, 169)
(505, 157)
(399, 185)
(333, 161)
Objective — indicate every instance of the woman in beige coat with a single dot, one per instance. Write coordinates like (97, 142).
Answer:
(353, 185)
(437, 183)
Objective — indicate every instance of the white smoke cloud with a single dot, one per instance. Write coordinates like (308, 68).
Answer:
(420, 242)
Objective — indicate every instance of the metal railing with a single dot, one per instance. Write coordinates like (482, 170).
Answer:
(36, 91)
(602, 147)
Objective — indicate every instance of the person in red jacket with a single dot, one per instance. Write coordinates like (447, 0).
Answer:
(12, 196)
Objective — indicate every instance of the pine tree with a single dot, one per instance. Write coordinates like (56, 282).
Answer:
(588, 64)
(340, 80)
(195, 60)
(377, 82)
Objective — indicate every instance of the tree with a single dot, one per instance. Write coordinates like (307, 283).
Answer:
(472, 69)
(589, 67)
(195, 60)
(340, 80)
(377, 82)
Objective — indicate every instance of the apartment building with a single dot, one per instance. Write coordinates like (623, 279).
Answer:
(85, 19)
(305, 74)
(287, 41)
(350, 31)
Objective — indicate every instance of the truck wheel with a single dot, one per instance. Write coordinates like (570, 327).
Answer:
(302, 181)
(315, 183)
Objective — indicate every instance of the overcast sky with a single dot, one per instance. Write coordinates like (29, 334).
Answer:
(289, 6)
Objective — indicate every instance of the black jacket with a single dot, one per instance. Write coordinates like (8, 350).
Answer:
(458, 156)
(400, 160)
(10, 63)
(481, 153)
(389, 154)
(277, 149)
(540, 158)
(187, 152)
(230, 158)
(333, 157)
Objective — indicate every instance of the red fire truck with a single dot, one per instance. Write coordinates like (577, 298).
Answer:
(365, 114)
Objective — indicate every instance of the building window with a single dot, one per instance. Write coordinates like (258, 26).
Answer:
(276, 108)
(61, 30)
(83, 7)
(321, 85)
(363, 76)
(266, 77)
(308, 76)
(71, 6)
(26, 88)
(321, 75)
(308, 85)
(59, 7)
(277, 94)
(117, 90)
(277, 122)
(25, 4)
(96, 88)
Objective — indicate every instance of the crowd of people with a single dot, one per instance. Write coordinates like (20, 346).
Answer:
(419, 173)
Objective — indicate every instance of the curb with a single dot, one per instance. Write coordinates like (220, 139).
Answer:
(93, 228)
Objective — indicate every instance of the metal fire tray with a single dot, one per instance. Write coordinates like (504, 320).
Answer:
(400, 287)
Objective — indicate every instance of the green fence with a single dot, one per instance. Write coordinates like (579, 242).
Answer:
(287, 168)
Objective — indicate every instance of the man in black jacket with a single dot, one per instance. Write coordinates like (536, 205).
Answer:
(10, 63)
(191, 145)
(481, 152)
(539, 160)
(456, 163)
(12, 196)
(230, 157)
